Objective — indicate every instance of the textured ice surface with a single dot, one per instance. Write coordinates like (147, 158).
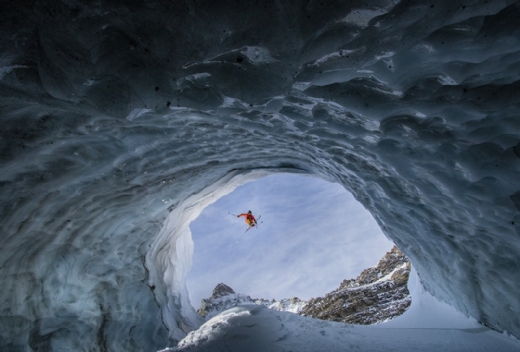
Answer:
(120, 122)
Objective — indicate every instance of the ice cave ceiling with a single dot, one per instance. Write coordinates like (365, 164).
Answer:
(119, 122)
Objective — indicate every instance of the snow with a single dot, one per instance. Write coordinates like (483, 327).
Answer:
(92, 258)
(428, 325)
(227, 301)
(288, 305)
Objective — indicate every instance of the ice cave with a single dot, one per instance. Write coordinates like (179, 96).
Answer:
(121, 121)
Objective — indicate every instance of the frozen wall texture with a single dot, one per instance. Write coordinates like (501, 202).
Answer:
(118, 123)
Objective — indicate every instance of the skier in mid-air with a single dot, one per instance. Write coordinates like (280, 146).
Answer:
(250, 219)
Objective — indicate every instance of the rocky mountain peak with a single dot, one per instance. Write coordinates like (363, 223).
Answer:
(222, 290)
(224, 297)
(392, 259)
(377, 294)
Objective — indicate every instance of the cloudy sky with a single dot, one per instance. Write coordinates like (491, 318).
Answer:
(312, 235)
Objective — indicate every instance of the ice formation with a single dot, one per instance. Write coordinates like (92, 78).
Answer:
(119, 123)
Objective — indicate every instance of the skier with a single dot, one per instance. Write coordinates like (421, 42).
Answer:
(250, 219)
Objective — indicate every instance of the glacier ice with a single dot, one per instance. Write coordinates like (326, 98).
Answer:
(119, 123)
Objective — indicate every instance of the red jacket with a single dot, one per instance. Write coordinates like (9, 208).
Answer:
(249, 217)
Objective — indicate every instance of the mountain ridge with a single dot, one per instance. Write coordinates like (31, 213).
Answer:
(378, 294)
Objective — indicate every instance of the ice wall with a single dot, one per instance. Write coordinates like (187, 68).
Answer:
(118, 122)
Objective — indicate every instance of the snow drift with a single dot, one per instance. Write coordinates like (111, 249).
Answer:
(429, 326)
(120, 122)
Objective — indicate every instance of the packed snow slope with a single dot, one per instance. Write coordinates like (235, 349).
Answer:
(428, 326)
(119, 123)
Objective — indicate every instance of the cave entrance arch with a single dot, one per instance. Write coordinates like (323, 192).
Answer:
(312, 235)
(170, 256)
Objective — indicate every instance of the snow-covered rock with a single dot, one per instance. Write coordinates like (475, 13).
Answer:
(120, 121)
(378, 294)
(223, 298)
(291, 305)
(226, 298)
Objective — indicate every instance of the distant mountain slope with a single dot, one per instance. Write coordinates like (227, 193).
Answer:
(376, 295)
(223, 298)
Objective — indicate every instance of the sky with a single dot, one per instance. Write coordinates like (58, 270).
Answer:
(312, 235)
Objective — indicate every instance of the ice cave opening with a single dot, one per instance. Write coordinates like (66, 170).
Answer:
(121, 121)
(313, 234)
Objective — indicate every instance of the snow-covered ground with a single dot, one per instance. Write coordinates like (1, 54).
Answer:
(428, 326)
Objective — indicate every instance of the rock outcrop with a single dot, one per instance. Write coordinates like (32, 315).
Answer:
(377, 294)
(222, 290)
(223, 298)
